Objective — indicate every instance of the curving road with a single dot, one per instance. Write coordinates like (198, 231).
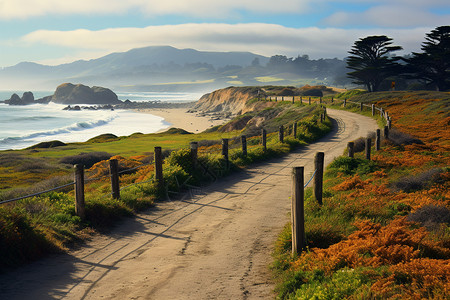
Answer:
(214, 244)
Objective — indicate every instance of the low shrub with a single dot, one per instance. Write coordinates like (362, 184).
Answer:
(399, 138)
(350, 166)
(430, 216)
(418, 182)
(86, 159)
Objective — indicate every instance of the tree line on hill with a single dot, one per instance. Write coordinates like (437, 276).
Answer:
(374, 65)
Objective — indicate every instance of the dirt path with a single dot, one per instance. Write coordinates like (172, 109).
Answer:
(214, 244)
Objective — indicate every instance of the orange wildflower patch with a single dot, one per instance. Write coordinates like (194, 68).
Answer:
(419, 278)
(373, 245)
(351, 183)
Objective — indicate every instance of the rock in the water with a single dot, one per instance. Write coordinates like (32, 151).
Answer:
(27, 98)
(68, 93)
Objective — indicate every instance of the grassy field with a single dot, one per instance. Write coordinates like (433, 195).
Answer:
(33, 227)
(383, 231)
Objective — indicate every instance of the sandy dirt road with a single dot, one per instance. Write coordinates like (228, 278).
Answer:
(214, 244)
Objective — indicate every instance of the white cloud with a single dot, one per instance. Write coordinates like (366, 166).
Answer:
(265, 39)
(13, 9)
(399, 13)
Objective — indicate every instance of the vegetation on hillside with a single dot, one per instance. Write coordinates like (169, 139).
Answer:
(383, 231)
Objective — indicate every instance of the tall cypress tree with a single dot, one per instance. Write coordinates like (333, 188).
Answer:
(432, 67)
(371, 62)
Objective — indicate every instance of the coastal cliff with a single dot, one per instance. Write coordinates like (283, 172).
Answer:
(228, 100)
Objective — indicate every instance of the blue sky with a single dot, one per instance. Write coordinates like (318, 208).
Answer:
(56, 31)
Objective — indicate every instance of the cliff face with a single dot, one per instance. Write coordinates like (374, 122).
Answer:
(228, 100)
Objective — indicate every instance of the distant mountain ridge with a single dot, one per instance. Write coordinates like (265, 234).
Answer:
(164, 68)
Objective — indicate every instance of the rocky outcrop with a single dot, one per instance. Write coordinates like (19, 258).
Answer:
(27, 98)
(68, 93)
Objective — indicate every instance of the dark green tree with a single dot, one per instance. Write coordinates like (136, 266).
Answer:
(371, 61)
(432, 67)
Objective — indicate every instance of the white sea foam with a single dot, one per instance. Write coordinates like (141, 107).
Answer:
(23, 126)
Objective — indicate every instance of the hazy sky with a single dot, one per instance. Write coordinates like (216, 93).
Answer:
(59, 31)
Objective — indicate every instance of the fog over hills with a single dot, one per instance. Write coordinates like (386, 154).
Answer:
(161, 68)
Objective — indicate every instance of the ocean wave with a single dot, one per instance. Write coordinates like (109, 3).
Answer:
(79, 126)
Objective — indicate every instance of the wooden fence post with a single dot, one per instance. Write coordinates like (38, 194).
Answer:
(264, 139)
(79, 191)
(297, 211)
(294, 130)
(281, 134)
(114, 172)
(158, 167)
(351, 149)
(368, 147)
(378, 140)
(244, 145)
(301, 99)
(225, 152)
(332, 99)
(345, 102)
(318, 178)
(309, 100)
(361, 106)
(194, 153)
(386, 132)
(373, 110)
(320, 100)
(293, 99)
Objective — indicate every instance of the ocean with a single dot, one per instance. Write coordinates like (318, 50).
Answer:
(24, 126)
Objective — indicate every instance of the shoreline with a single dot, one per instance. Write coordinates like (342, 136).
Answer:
(180, 118)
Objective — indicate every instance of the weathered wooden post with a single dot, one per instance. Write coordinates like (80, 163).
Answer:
(225, 152)
(318, 178)
(297, 210)
(301, 99)
(386, 132)
(351, 149)
(114, 172)
(79, 191)
(244, 145)
(378, 140)
(361, 106)
(320, 100)
(309, 100)
(264, 139)
(332, 99)
(281, 134)
(368, 147)
(345, 102)
(159, 168)
(294, 130)
(293, 99)
(373, 110)
(194, 153)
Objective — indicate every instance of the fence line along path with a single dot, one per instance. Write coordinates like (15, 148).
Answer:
(214, 244)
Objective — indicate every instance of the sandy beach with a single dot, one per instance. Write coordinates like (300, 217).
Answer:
(180, 118)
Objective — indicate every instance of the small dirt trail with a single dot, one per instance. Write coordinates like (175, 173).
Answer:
(213, 244)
